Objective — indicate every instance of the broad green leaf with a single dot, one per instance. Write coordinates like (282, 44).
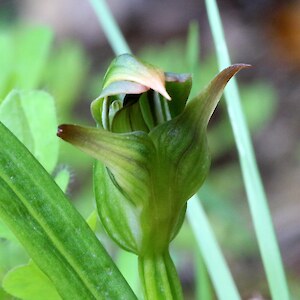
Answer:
(5, 232)
(28, 282)
(53, 233)
(65, 75)
(4, 295)
(6, 63)
(31, 116)
(31, 52)
(23, 55)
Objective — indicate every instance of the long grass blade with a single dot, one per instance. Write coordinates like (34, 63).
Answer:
(255, 191)
(216, 265)
(110, 27)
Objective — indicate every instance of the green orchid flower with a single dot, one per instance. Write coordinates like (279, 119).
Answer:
(152, 153)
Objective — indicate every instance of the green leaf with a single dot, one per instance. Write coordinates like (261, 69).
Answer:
(33, 45)
(51, 230)
(65, 75)
(23, 55)
(6, 62)
(31, 116)
(29, 283)
(5, 233)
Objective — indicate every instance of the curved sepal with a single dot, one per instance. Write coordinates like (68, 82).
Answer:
(203, 105)
(182, 142)
(128, 156)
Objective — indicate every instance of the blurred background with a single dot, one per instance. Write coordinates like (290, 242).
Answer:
(61, 47)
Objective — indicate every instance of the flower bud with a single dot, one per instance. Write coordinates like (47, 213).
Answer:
(152, 150)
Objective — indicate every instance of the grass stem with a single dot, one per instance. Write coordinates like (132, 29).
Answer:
(110, 27)
(217, 268)
(255, 191)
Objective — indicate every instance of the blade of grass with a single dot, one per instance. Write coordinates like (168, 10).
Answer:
(211, 256)
(255, 191)
(216, 265)
(192, 46)
(204, 290)
(110, 27)
(223, 274)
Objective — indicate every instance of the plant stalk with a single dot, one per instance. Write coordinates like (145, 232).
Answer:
(255, 191)
(110, 27)
(159, 277)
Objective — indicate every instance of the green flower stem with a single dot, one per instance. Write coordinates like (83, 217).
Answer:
(110, 27)
(255, 191)
(159, 277)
